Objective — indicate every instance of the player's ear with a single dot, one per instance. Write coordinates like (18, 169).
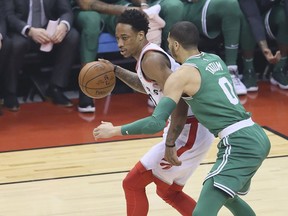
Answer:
(176, 44)
(141, 35)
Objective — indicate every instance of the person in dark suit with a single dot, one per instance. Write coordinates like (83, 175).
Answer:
(5, 47)
(28, 33)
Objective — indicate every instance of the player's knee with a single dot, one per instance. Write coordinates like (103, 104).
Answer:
(127, 183)
(167, 195)
(196, 212)
(132, 181)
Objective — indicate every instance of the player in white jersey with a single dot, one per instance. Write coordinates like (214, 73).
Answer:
(153, 67)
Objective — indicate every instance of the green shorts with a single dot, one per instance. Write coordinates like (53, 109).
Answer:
(239, 156)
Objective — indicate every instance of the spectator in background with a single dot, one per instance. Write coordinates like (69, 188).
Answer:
(5, 46)
(171, 12)
(216, 17)
(27, 21)
(156, 24)
(265, 18)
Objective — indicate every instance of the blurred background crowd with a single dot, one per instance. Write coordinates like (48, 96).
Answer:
(250, 35)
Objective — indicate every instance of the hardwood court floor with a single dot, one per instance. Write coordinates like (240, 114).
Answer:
(51, 166)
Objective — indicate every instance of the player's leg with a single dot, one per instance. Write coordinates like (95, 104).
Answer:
(134, 187)
(89, 24)
(174, 196)
(239, 207)
(239, 157)
(216, 198)
(278, 26)
(225, 16)
(168, 14)
(211, 200)
(248, 44)
(195, 140)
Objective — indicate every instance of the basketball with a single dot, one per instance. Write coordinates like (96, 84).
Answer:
(96, 80)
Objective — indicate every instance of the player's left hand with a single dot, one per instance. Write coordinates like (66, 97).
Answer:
(106, 130)
(171, 156)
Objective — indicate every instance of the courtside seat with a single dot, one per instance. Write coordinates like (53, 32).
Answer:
(37, 72)
(107, 43)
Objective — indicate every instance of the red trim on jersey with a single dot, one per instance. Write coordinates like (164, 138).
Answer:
(192, 135)
(138, 62)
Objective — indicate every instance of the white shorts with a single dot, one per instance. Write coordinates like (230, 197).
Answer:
(192, 146)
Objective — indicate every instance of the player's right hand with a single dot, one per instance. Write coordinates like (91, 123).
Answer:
(109, 64)
(106, 130)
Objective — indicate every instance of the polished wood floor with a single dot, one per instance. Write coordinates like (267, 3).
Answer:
(51, 166)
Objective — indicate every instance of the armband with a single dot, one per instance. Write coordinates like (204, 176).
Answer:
(154, 123)
(115, 68)
(170, 146)
(143, 4)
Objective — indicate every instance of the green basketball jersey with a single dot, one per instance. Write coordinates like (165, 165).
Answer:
(216, 104)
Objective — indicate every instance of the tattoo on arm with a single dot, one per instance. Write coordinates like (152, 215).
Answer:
(130, 78)
(170, 141)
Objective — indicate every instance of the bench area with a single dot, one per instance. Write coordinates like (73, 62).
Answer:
(35, 73)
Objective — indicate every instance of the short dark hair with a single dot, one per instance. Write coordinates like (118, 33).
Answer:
(137, 19)
(186, 33)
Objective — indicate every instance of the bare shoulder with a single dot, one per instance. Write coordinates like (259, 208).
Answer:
(156, 66)
(187, 71)
(189, 77)
(156, 58)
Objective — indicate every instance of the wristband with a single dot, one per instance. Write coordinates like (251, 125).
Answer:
(143, 4)
(115, 68)
(170, 146)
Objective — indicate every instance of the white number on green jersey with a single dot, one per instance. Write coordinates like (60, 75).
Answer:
(228, 90)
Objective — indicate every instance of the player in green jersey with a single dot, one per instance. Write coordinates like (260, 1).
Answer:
(204, 82)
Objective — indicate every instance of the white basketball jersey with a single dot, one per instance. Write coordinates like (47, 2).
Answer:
(192, 144)
(150, 86)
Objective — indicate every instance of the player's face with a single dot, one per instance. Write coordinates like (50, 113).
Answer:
(128, 40)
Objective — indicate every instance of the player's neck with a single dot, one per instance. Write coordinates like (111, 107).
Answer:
(188, 54)
(141, 47)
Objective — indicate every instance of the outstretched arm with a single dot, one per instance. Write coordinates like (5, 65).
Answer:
(149, 125)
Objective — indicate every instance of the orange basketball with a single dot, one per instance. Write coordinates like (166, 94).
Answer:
(96, 80)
